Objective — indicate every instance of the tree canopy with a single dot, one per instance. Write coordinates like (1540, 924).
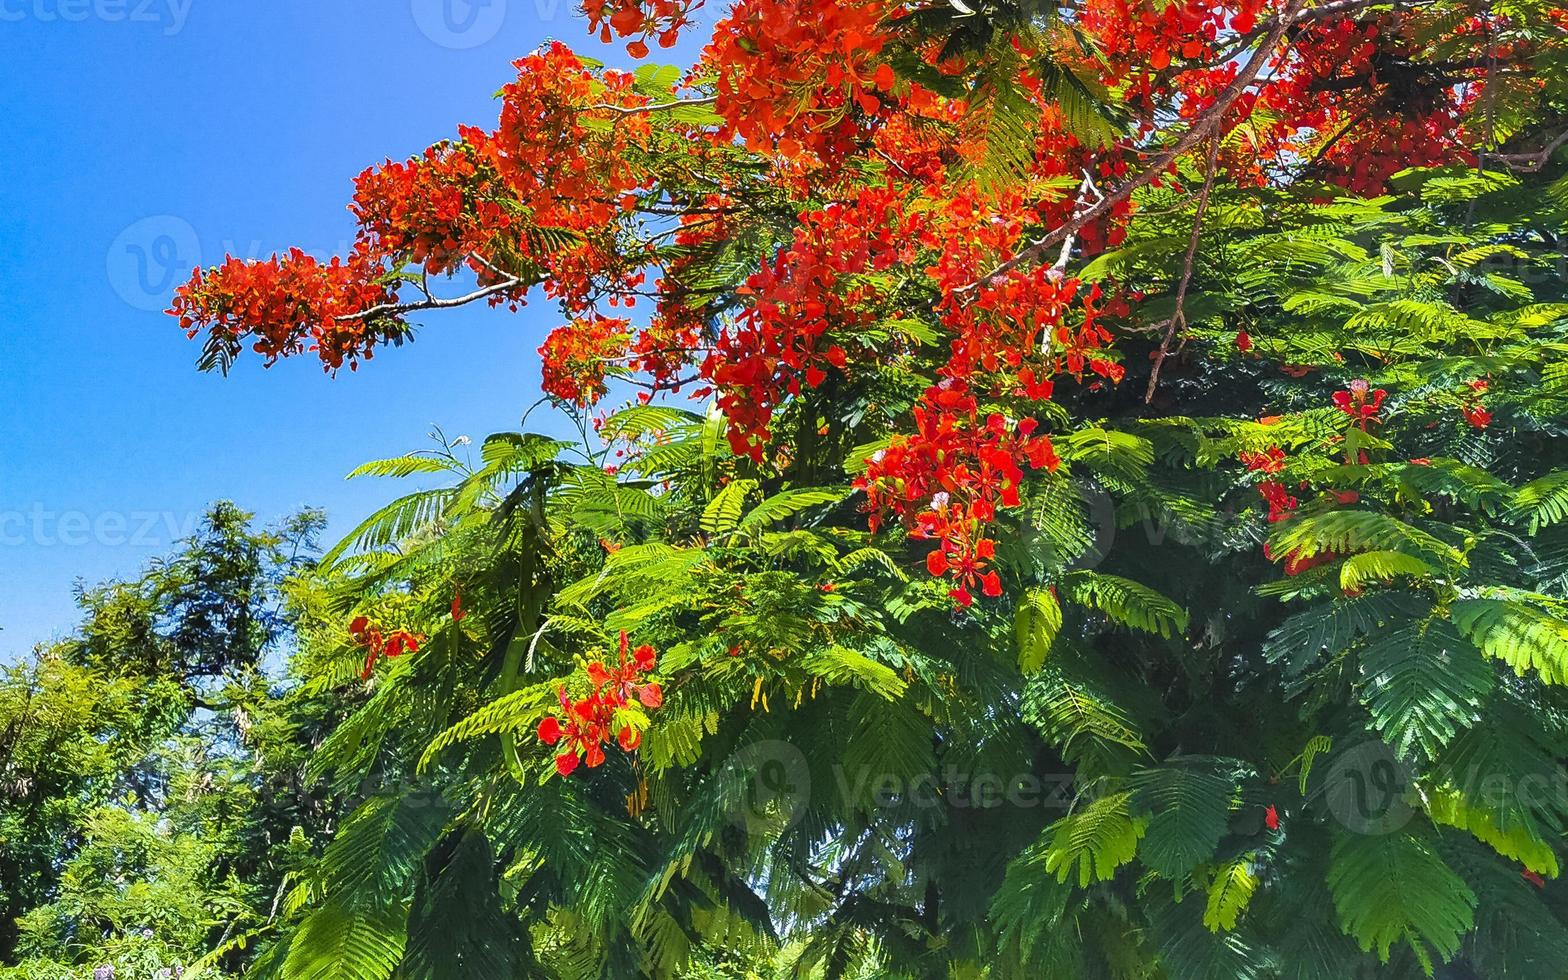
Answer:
(1062, 491)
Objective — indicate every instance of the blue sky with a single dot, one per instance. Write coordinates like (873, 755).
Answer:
(140, 137)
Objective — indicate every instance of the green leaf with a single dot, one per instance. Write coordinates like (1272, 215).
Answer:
(1125, 601)
(1422, 684)
(1542, 501)
(1347, 531)
(1229, 893)
(1395, 888)
(1187, 802)
(1036, 623)
(341, 943)
(723, 512)
(1095, 841)
(783, 505)
(1523, 636)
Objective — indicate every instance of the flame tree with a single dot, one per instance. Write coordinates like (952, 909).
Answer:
(1091, 504)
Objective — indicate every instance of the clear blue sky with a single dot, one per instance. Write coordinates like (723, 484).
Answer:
(140, 136)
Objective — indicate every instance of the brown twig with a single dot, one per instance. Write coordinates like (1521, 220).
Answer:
(632, 110)
(1530, 162)
(434, 303)
(1178, 319)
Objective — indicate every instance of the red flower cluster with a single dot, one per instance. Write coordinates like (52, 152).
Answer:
(379, 647)
(1272, 461)
(436, 210)
(560, 159)
(1366, 112)
(577, 357)
(640, 20)
(289, 305)
(792, 73)
(1137, 39)
(948, 479)
(583, 726)
(1476, 412)
(1360, 402)
(814, 285)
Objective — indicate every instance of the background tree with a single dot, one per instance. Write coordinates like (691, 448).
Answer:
(1156, 401)
(152, 761)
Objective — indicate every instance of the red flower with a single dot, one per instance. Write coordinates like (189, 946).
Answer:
(1243, 341)
(457, 608)
(1358, 401)
(584, 726)
(1271, 817)
(991, 584)
(1478, 416)
(936, 563)
(378, 646)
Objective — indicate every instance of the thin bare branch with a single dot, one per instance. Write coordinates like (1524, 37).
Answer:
(633, 110)
(1530, 162)
(435, 303)
(1178, 321)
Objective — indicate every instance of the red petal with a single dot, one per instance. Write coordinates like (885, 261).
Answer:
(550, 730)
(991, 583)
(936, 563)
(566, 763)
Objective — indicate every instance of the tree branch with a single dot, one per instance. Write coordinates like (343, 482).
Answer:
(1178, 319)
(633, 110)
(434, 303)
(1200, 128)
(1530, 162)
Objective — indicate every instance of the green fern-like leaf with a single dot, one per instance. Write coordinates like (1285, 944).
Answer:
(1187, 802)
(1095, 841)
(1036, 623)
(1395, 888)
(1125, 601)
(1229, 893)
(1521, 635)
